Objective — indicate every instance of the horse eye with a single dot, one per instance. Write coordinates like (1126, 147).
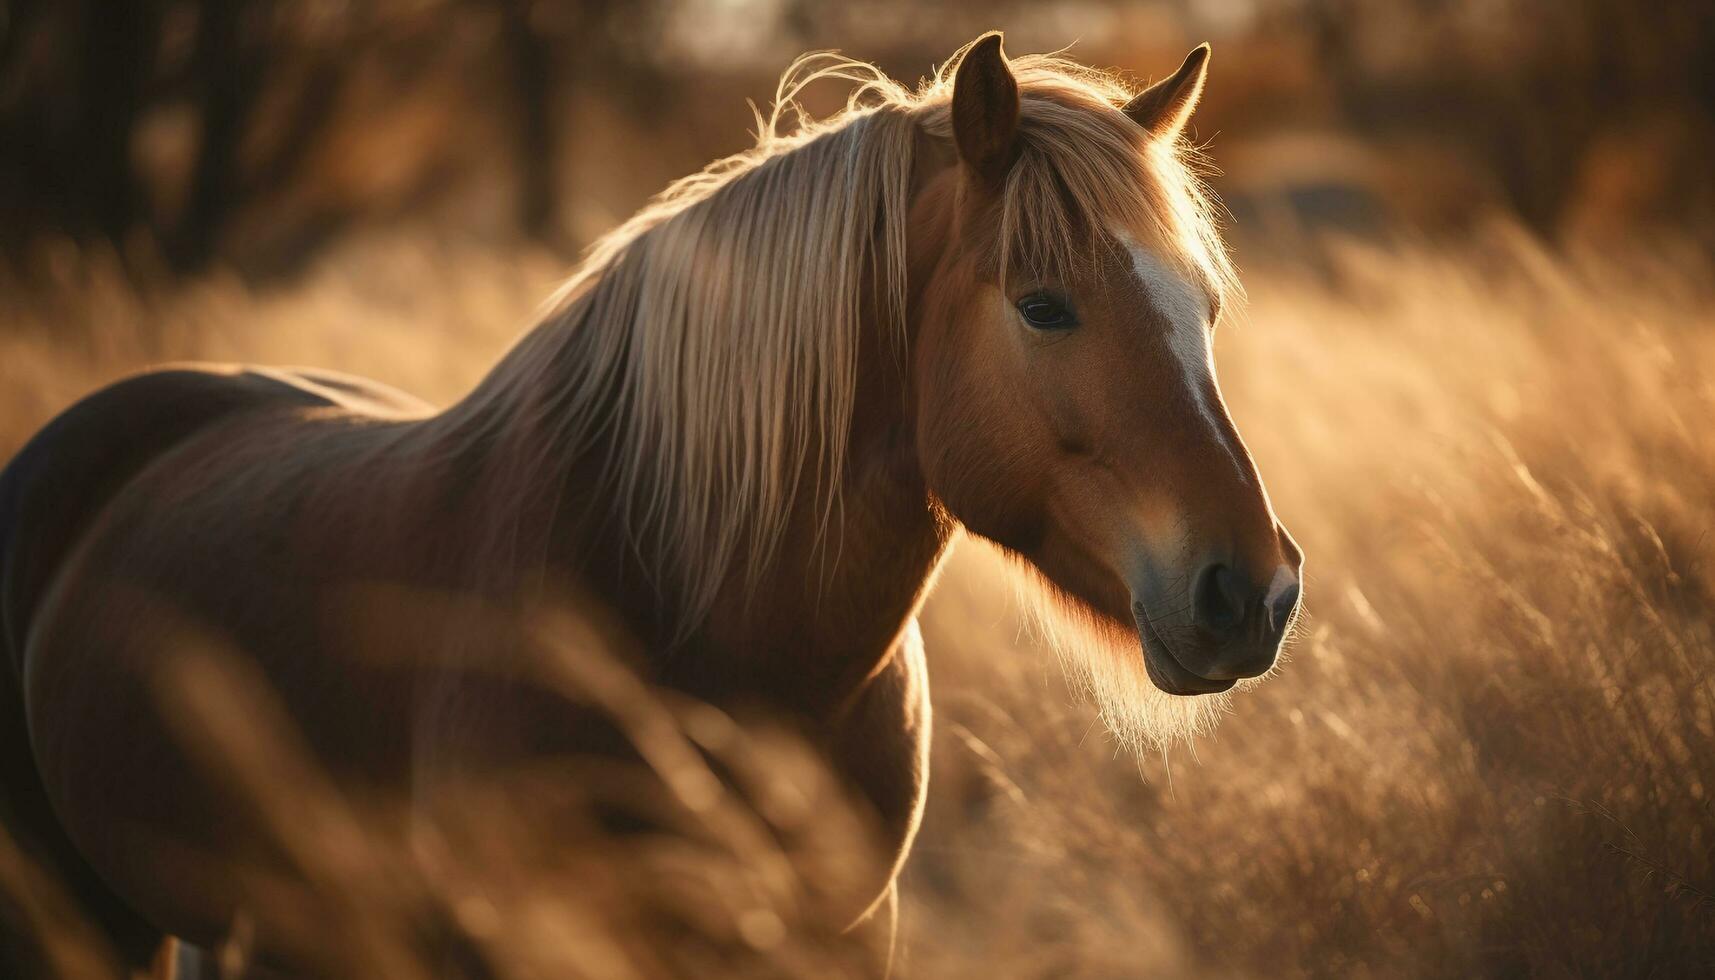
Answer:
(1045, 311)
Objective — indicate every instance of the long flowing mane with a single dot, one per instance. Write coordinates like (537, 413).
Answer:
(714, 337)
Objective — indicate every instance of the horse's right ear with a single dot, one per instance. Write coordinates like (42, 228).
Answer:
(985, 110)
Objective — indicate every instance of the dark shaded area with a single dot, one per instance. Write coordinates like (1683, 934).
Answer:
(1532, 90)
(251, 133)
(246, 99)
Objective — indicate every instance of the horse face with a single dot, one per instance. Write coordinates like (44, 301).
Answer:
(1077, 422)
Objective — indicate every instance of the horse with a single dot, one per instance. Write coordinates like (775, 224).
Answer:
(745, 432)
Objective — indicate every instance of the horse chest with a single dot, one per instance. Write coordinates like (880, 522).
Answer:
(880, 744)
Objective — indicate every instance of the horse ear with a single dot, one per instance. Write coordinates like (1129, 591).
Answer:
(1164, 108)
(985, 110)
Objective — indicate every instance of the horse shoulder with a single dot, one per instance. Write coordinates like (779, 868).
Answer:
(881, 743)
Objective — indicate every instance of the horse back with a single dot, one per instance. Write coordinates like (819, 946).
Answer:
(57, 485)
(61, 478)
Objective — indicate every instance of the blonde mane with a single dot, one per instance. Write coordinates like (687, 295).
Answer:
(712, 340)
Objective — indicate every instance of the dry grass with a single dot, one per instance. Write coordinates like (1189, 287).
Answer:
(1491, 751)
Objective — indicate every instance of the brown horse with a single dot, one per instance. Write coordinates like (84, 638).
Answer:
(745, 436)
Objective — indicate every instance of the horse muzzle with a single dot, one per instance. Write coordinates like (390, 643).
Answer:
(1227, 626)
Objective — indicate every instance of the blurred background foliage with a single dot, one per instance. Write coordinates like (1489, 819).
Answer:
(254, 132)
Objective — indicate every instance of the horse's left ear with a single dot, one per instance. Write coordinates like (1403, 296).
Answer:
(985, 110)
(1164, 108)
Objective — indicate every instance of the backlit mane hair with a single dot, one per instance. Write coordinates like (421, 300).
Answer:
(712, 340)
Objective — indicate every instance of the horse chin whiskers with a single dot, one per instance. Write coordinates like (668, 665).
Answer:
(1103, 662)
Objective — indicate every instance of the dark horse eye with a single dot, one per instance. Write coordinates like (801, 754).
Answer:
(1045, 311)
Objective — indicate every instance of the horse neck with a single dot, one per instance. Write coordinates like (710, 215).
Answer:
(818, 618)
(824, 614)
(829, 608)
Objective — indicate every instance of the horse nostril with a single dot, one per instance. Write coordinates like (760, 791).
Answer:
(1219, 600)
(1240, 622)
(1280, 607)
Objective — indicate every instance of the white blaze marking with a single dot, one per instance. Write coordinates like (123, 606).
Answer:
(1187, 311)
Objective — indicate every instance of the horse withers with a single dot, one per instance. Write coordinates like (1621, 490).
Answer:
(743, 440)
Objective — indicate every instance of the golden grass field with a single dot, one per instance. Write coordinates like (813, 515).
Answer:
(1491, 748)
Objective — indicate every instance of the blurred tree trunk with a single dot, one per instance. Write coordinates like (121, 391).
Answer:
(115, 62)
(533, 81)
(229, 73)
